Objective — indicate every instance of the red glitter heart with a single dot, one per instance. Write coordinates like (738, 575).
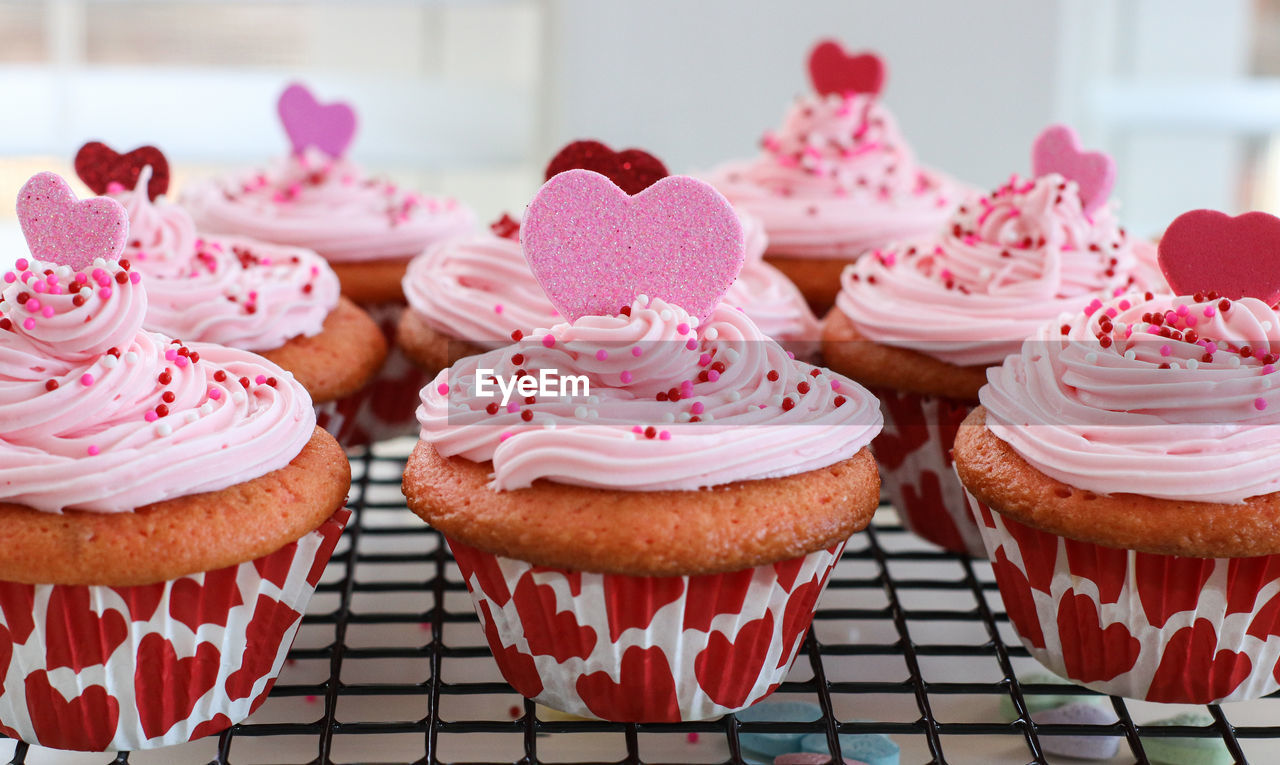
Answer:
(632, 170)
(98, 165)
(1208, 251)
(831, 70)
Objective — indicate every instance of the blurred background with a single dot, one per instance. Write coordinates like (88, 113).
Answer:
(470, 98)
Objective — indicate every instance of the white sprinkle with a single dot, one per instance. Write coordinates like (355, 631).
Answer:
(666, 314)
(580, 412)
(668, 417)
(1091, 358)
(205, 409)
(130, 357)
(733, 395)
(110, 361)
(190, 416)
(1233, 361)
(99, 263)
(1174, 365)
(642, 299)
(1266, 382)
(693, 322)
(708, 417)
(631, 434)
(731, 354)
(163, 429)
(1193, 364)
(549, 424)
(1131, 354)
(776, 400)
(1266, 326)
(238, 396)
(593, 399)
(684, 417)
(593, 414)
(712, 333)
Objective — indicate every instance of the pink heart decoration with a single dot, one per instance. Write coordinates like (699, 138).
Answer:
(328, 127)
(1057, 150)
(62, 229)
(1206, 251)
(594, 249)
(831, 70)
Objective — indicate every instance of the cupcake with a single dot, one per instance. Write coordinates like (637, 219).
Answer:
(921, 324)
(1124, 467)
(469, 294)
(173, 504)
(280, 302)
(837, 179)
(366, 227)
(645, 539)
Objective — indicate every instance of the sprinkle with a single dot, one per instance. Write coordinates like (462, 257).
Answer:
(93, 451)
(1091, 358)
(181, 361)
(150, 416)
(130, 357)
(602, 354)
(164, 430)
(1209, 311)
(1259, 404)
(260, 379)
(636, 351)
(443, 389)
(625, 377)
(215, 393)
(712, 333)
(505, 436)
(1165, 350)
(682, 328)
(692, 344)
(697, 407)
(580, 412)
(86, 380)
(29, 323)
(497, 308)
(713, 375)
(664, 435)
(104, 293)
(548, 340)
(47, 312)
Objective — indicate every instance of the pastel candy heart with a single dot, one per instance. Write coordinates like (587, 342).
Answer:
(831, 70)
(1210, 750)
(1080, 747)
(871, 748)
(99, 166)
(633, 170)
(1205, 251)
(1057, 150)
(1038, 702)
(777, 712)
(810, 758)
(594, 249)
(307, 122)
(62, 229)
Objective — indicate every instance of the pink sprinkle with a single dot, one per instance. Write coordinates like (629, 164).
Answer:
(1111, 312)
(9, 278)
(215, 393)
(1182, 310)
(29, 323)
(697, 407)
(835, 385)
(548, 340)
(1165, 350)
(105, 293)
(497, 308)
(22, 264)
(625, 377)
(713, 375)
(1124, 305)
(170, 355)
(637, 429)
(513, 407)
(47, 312)
(692, 737)
(86, 380)
(33, 305)
(682, 328)
(134, 277)
(505, 436)
(150, 416)
(260, 379)
(791, 355)
(1268, 369)
(692, 344)
(635, 351)
(1190, 320)
(686, 388)
(664, 435)
(704, 359)
(81, 278)
(1209, 311)
(443, 389)
(1259, 404)
(1211, 347)
(182, 362)
(93, 451)
(602, 354)
(40, 287)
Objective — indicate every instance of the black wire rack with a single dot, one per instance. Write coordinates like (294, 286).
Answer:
(391, 666)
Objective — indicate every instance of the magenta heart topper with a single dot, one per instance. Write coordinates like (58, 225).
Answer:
(1057, 150)
(1208, 251)
(62, 229)
(328, 127)
(594, 249)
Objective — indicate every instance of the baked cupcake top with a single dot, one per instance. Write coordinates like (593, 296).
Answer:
(1164, 396)
(681, 391)
(98, 414)
(838, 178)
(1003, 264)
(226, 290)
(318, 199)
(479, 287)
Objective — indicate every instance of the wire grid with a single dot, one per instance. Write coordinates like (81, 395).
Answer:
(911, 637)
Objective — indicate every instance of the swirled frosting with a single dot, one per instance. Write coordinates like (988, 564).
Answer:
(1171, 397)
(328, 205)
(671, 405)
(838, 179)
(479, 288)
(226, 290)
(98, 414)
(1005, 264)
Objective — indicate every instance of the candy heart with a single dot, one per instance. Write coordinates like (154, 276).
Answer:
(633, 170)
(1205, 250)
(1037, 702)
(1079, 747)
(773, 744)
(328, 127)
(1197, 750)
(871, 748)
(1057, 150)
(99, 166)
(594, 249)
(831, 70)
(62, 229)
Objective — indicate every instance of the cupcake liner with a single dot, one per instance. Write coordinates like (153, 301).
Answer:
(1135, 624)
(341, 417)
(914, 454)
(388, 404)
(644, 649)
(98, 668)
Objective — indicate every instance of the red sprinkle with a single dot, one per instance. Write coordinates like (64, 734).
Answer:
(650, 432)
(526, 415)
(51, 385)
(773, 375)
(839, 400)
(803, 387)
(517, 335)
(220, 376)
(168, 397)
(788, 404)
(492, 408)
(244, 381)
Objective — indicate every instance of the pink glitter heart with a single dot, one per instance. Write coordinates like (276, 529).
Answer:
(62, 229)
(328, 127)
(1209, 251)
(1057, 150)
(594, 249)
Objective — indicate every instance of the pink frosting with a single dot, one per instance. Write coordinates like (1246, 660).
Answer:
(838, 179)
(1111, 401)
(479, 288)
(98, 414)
(327, 205)
(672, 405)
(1005, 264)
(230, 291)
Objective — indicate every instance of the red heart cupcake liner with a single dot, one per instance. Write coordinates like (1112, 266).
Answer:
(914, 454)
(342, 418)
(98, 668)
(1135, 624)
(644, 649)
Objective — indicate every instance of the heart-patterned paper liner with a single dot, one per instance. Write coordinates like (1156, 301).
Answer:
(1205, 251)
(98, 668)
(1057, 150)
(100, 166)
(833, 71)
(307, 122)
(1139, 625)
(644, 649)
